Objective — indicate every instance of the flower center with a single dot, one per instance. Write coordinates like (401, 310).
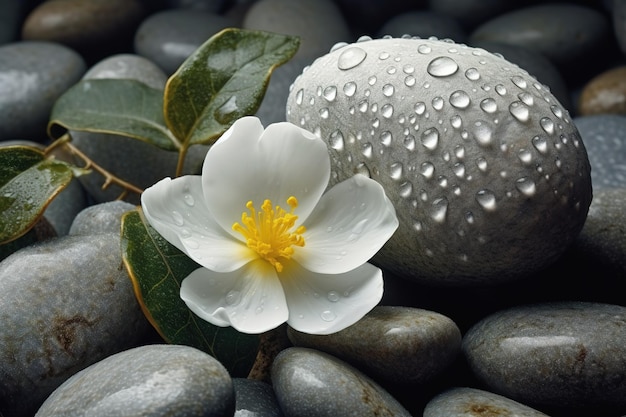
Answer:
(268, 231)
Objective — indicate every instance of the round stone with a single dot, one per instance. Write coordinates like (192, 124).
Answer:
(392, 344)
(472, 402)
(604, 136)
(605, 93)
(151, 380)
(309, 383)
(487, 172)
(100, 218)
(255, 398)
(424, 24)
(64, 304)
(560, 356)
(33, 75)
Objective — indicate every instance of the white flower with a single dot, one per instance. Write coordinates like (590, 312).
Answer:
(272, 245)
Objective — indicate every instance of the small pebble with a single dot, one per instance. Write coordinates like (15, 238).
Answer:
(147, 381)
(605, 93)
(100, 218)
(557, 356)
(472, 402)
(392, 344)
(424, 24)
(310, 383)
(254, 398)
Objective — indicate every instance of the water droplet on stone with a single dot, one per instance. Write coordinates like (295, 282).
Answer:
(299, 96)
(406, 189)
(328, 315)
(472, 74)
(372, 80)
(525, 156)
(541, 144)
(409, 81)
(438, 103)
(367, 149)
(482, 164)
(459, 169)
(547, 125)
(351, 57)
(336, 140)
(349, 88)
(469, 217)
(500, 89)
(387, 111)
(424, 49)
(395, 170)
(519, 111)
(409, 142)
(489, 105)
(330, 93)
(333, 296)
(427, 169)
(526, 98)
(384, 55)
(460, 99)
(386, 138)
(430, 138)
(388, 90)
(459, 151)
(177, 218)
(519, 81)
(442, 66)
(420, 108)
(324, 113)
(486, 199)
(526, 186)
(456, 121)
(439, 210)
(556, 110)
(482, 133)
(363, 170)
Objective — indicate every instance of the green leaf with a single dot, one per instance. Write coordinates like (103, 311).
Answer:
(225, 79)
(157, 269)
(29, 181)
(117, 106)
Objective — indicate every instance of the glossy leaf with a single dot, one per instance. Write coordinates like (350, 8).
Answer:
(157, 268)
(117, 106)
(29, 181)
(225, 79)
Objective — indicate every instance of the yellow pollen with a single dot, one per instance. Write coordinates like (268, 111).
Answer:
(268, 231)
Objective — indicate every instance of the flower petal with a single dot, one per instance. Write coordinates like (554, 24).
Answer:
(352, 221)
(177, 210)
(250, 299)
(324, 304)
(251, 164)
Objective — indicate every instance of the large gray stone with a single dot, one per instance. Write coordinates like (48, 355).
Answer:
(64, 304)
(487, 171)
(147, 381)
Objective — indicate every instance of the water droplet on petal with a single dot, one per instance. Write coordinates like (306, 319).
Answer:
(442, 66)
(333, 296)
(328, 315)
(486, 199)
(177, 218)
(351, 57)
(526, 186)
(189, 200)
(232, 298)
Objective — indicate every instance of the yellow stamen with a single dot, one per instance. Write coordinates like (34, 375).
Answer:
(268, 231)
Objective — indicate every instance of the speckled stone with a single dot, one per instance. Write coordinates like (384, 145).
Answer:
(604, 137)
(86, 26)
(170, 36)
(254, 398)
(565, 33)
(301, 18)
(472, 402)
(100, 218)
(604, 94)
(423, 23)
(565, 356)
(119, 154)
(310, 383)
(64, 305)
(32, 76)
(147, 381)
(392, 344)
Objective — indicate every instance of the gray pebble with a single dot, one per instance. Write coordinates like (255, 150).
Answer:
(471, 13)
(311, 383)
(424, 24)
(604, 136)
(301, 18)
(171, 36)
(564, 356)
(254, 398)
(392, 344)
(100, 218)
(64, 304)
(472, 402)
(147, 381)
(32, 76)
(134, 67)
